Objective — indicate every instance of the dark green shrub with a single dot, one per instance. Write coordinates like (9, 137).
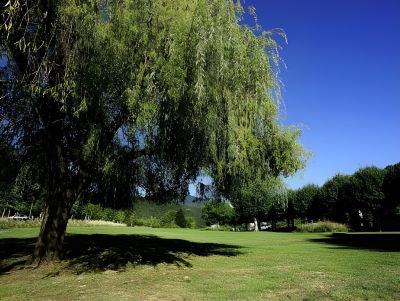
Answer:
(180, 219)
(93, 211)
(191, 222)
(167, 220)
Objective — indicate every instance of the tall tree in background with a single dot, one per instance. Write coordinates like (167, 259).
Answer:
(333, 200)
(305, 204)
(368, 195)
(391, 184)
(256, 200)
(216, 212)
(150, 92)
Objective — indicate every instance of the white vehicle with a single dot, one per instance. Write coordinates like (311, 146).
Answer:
(265, 226)
(18, 216)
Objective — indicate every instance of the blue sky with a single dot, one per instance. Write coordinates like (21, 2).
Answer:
(342, 82)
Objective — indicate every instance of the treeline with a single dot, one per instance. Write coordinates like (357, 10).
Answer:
(368, 200)
(144, 213)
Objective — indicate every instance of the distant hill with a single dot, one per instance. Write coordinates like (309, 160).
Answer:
(193, 201)
(192, 207)
(189, 199)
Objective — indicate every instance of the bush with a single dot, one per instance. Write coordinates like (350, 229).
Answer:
(216, 212)
(152, 222)
(180, 219)
(108, 214)
(93, 211)
(191, 222)
(119, 216)
(324, 226)
(167, 220)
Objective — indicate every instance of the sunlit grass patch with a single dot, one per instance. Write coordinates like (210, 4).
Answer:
(138, 263)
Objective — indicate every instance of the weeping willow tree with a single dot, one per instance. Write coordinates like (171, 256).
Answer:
(112, 97)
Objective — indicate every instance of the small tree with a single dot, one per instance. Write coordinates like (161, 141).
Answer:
(217, 212)
(180, 219)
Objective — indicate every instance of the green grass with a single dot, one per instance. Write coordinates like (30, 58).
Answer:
(122, 263)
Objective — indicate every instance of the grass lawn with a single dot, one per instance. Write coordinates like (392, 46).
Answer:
(122, 263)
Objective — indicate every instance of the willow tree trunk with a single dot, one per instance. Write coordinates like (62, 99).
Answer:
(49, 245)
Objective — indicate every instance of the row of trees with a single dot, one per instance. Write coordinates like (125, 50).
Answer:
(256, 201)
(369, 199)
(168, 216)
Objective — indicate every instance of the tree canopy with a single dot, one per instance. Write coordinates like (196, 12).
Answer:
(366, 200)
(110, 98)
(216, 212)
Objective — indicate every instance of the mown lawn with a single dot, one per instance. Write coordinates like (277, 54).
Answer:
(122, 263)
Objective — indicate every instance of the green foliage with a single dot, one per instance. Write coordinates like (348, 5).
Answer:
(323, 226)
(168, 219)
(108, 214)
(331, 202)
(367, 195)
(191, 222)
(260, 198)
(93, 211)
(146, 208)
(391, 189)
(152, 69)
(217, 212)
(151, 221)
(20, 188)
(145, 213)
(391, 185)
(120, 216)
(304, 201)
(140, 95)
(180, 219)
(366, 200)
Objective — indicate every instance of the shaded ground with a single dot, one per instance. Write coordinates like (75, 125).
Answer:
(138, 263)
(100, 252)
(389, 242)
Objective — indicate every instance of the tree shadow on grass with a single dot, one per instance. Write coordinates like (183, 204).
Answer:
(100, 252)
(387, 242)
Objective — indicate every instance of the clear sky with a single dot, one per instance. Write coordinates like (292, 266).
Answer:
(342, 82)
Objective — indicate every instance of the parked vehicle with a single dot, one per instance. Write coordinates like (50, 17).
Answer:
(18, 216)
(265, 226)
